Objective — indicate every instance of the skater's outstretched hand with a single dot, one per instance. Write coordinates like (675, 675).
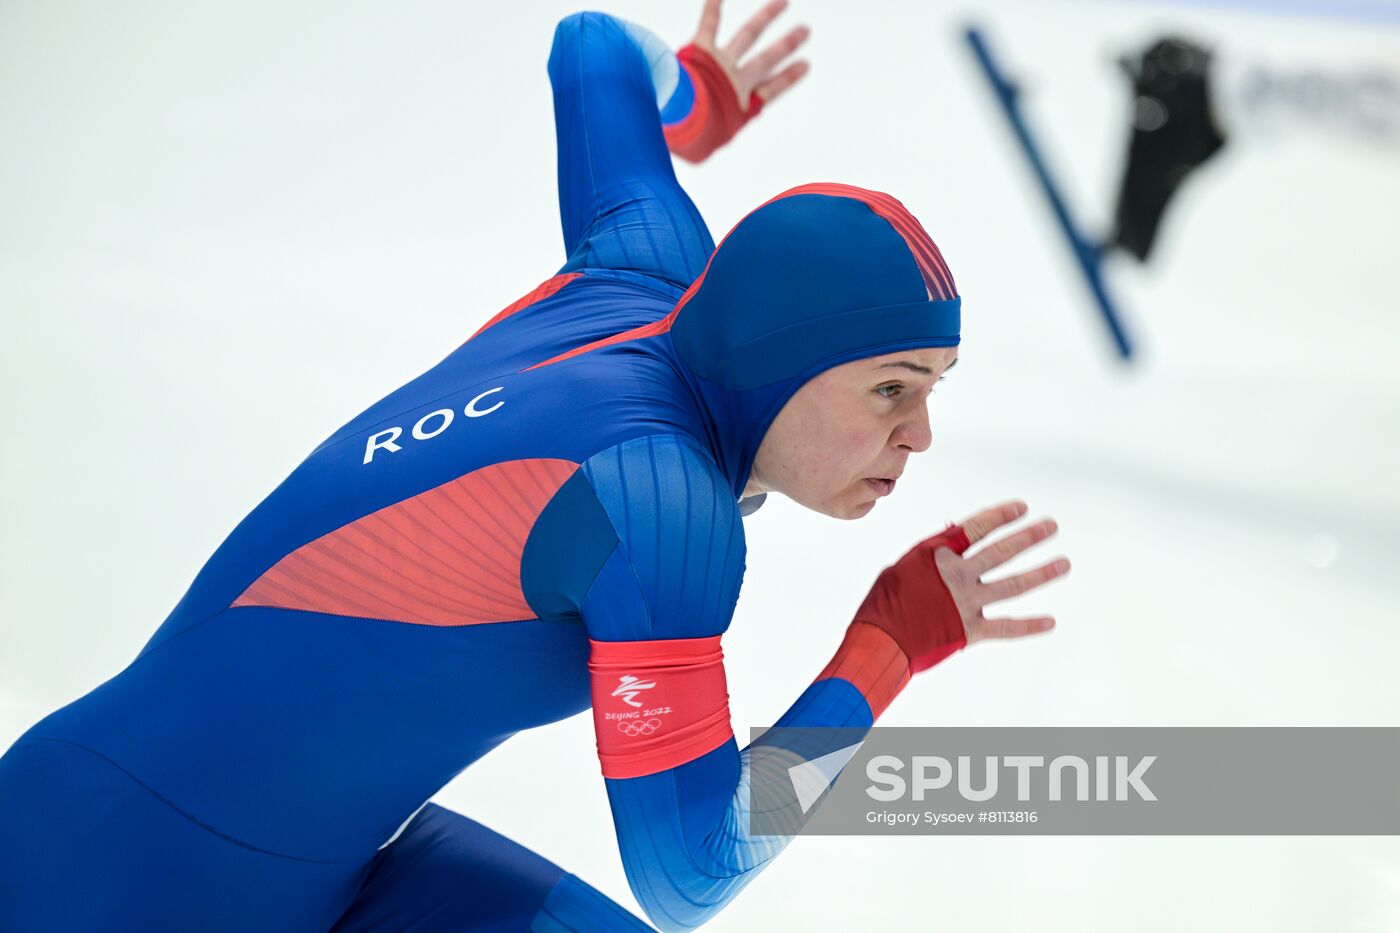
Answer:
(932, 600)
(759, 74)
(962, 573)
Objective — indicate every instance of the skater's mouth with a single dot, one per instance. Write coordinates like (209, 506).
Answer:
(883, 485)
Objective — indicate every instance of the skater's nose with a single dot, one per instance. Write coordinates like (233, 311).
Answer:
(913, 433)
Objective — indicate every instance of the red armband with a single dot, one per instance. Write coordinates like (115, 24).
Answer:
(716, 115)
(911, 602)
(657, 704)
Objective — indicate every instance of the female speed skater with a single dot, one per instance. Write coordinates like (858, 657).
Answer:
(548, 520)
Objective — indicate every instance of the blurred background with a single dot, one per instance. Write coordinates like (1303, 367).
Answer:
(227, 228)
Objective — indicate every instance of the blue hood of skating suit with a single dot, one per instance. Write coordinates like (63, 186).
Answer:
(818, 276)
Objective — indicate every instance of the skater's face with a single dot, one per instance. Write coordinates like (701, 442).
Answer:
(844, 437)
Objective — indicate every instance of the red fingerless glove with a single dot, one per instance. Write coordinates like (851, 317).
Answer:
(715, 116)
(911, 602)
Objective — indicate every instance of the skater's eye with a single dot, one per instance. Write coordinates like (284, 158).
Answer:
(896, 389)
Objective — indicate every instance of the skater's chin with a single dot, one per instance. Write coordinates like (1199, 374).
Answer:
(850, 511)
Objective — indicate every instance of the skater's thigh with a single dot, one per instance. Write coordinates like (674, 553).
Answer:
(85, 846)
(446, 872)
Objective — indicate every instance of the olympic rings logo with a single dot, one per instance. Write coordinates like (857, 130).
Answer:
(639, 728)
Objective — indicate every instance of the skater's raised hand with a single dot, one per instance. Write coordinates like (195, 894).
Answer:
(731, 86)
(931, 600)
(759, 74)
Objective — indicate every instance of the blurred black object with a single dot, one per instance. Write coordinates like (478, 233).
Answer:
(1174, 132)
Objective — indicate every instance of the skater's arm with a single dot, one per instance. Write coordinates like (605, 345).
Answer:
(678, 783)
(620, 204)
(676, 779)
(621, 98)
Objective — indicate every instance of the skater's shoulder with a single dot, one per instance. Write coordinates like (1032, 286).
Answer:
(666, 453)
(661, 478)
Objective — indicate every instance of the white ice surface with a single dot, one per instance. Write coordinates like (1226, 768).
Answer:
(225, 228)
